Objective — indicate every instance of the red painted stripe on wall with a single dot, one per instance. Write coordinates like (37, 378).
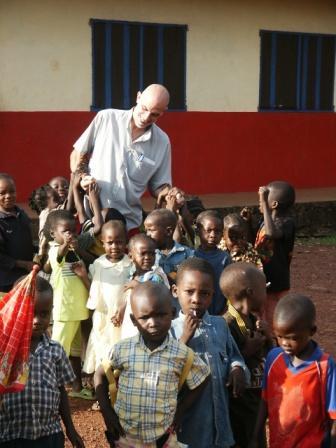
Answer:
(213, 152)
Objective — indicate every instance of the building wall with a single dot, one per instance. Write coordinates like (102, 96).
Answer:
(45, 47)
(220, 145)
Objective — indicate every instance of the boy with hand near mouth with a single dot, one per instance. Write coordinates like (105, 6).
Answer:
(207, 423)
(147, 408)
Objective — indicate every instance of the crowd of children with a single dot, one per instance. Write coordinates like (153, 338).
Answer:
(187, 330)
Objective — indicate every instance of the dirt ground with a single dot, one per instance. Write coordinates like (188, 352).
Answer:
(313, 273)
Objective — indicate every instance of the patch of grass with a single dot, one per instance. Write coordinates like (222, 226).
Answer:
(329, 240)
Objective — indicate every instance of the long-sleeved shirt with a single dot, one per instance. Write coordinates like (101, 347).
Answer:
(15, 244)
(207, 423)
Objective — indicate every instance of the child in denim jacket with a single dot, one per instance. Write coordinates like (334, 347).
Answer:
(207, 423)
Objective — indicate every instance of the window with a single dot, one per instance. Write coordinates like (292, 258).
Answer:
(128, 56)
(297, 71)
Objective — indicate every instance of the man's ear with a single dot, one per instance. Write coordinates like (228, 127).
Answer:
(174, 290)
(138, 97)
(274, 205)
(52, 234)
(133, 319)
(313, 330)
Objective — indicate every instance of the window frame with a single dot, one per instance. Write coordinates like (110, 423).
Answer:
(127, 101)
(301, 78)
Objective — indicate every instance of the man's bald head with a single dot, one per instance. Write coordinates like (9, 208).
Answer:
(151, 104)
(157, 95)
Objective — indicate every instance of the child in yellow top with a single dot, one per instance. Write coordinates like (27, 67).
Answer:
(70, 290)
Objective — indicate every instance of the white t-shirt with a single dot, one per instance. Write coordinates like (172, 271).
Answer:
(124, 169)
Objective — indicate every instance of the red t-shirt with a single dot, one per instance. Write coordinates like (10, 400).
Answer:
(300, 400)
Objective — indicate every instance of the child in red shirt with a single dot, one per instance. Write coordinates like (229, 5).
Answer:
(299, 386)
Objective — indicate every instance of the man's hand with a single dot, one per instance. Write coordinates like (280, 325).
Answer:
(75, 438)
(237, 381)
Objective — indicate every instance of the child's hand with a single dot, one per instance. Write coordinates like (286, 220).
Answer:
(79, 269)
(263, 194)
(94, 190)
(253, 344)
(172, 203)
(191, 322)
(263, 327)
(23, 264)
(237, 381)
(75, 438)
(131, 284)
(86, 181)
(76, 179)
(246, 214)
(118, 317)
(73, 243)
(115, 431)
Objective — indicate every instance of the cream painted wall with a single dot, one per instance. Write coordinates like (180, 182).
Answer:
(45, 47)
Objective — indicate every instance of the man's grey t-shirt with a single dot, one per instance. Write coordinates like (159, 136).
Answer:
(122, 168)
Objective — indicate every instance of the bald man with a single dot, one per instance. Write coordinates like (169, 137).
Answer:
(127, 153)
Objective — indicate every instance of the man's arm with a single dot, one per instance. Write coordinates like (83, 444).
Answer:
(74, 160)
(79, 162)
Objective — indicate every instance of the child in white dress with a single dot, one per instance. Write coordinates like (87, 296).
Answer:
(142, 253)
(109, 273)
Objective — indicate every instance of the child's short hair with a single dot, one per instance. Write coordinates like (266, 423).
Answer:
(158, 290)
(295, 309)
(6, 176)
(165, 217)
(113, 214)
(55, 217)
(195, 206)
(140, 237)
(42, 285)
(239, 276)
(233, 220)
(42, 191)
(283, 193)
(114, 224)
(195, 264)
(208, 214)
